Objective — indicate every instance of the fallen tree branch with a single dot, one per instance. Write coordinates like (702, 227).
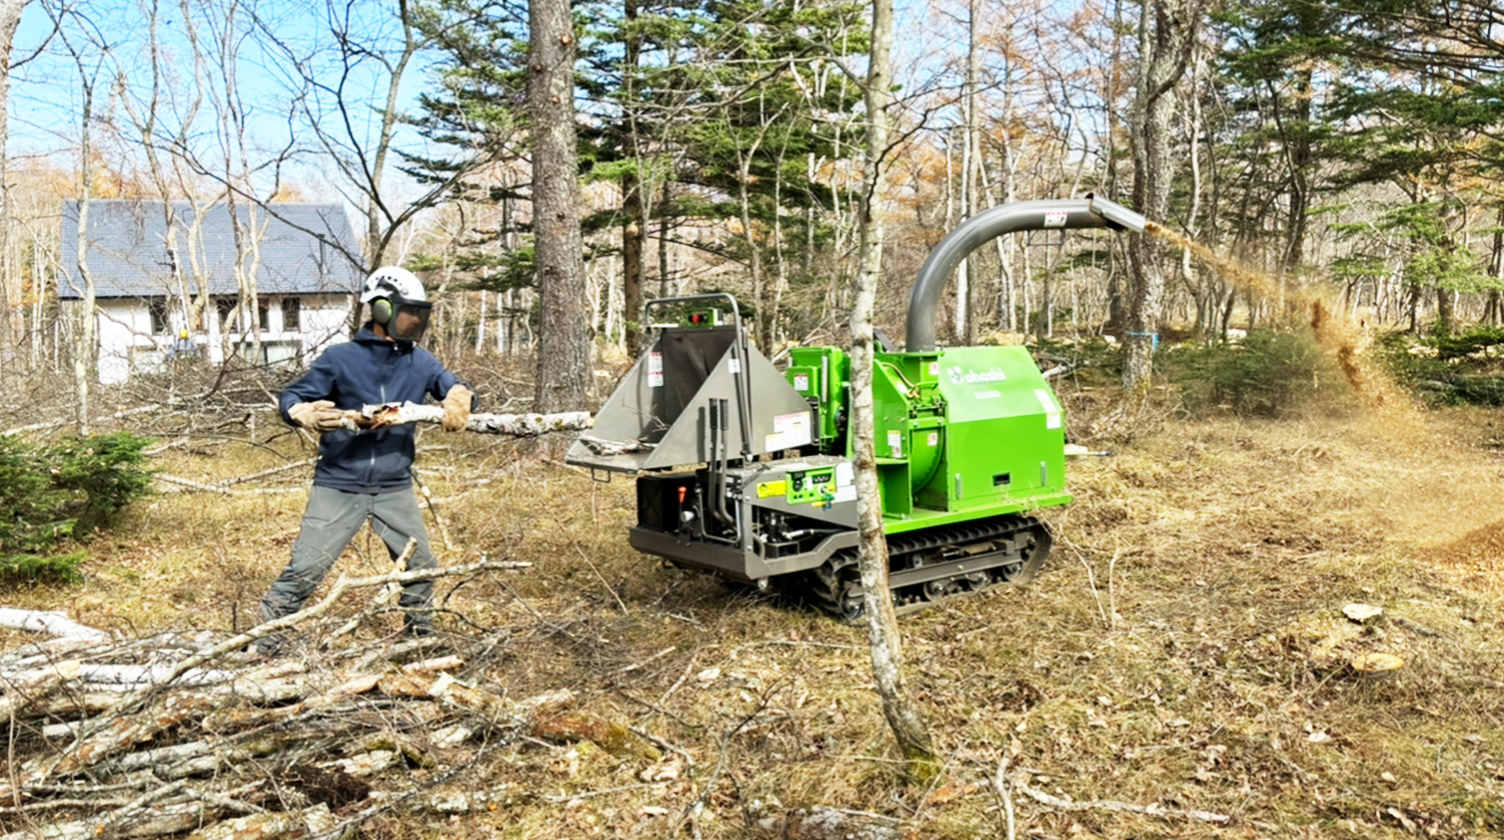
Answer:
(264, 473)
(117, 728)
(138, 818)
(55, 623)
(601, 446)
(610, 736)
(1000, 789)
(126, 822)
(220, 488)
(344, 584)
(433, 509)
(269, 826)
(125, 675)
(1113, 805)
(53, 424)
(25, 692)
(303, 733)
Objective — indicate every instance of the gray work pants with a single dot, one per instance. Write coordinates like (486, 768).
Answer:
(332, 519)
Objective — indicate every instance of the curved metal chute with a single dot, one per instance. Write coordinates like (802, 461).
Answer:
(929, 287)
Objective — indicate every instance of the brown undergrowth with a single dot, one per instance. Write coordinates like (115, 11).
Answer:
(1185, 646)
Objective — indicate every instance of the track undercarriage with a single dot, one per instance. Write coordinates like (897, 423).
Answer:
(928, 566)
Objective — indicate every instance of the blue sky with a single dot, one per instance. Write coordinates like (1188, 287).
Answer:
(47, 96)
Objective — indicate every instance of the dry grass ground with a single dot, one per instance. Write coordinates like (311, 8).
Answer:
(1185, 647)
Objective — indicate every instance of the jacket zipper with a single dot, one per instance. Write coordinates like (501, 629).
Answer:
(384, 371)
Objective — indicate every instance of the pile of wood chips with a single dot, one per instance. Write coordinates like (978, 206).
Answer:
(1477, 558)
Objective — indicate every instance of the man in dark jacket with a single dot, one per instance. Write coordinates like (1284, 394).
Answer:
(366, 475)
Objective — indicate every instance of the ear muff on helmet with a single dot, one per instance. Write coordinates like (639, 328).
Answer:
(381, 311)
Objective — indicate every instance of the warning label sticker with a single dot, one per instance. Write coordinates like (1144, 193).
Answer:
(801, 382)
(790, 431)
(655, 370)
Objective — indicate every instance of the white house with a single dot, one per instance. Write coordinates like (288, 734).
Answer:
(306, 285)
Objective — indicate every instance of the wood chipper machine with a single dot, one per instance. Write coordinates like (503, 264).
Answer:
(746, 471)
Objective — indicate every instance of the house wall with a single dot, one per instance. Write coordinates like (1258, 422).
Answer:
(125, 340)
(127, 344)
(326, 321)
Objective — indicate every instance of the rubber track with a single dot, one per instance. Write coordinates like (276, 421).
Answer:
(831, 586)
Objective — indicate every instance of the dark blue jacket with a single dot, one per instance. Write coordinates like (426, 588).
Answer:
(368, 371)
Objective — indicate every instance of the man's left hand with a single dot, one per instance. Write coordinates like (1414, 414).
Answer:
(456, 409)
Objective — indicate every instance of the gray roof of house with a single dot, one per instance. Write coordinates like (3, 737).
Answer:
(128, 255)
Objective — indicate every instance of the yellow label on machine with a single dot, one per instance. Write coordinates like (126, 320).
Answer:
(772, 488)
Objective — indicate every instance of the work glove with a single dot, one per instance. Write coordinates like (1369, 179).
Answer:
(320, 416)
(457, 408)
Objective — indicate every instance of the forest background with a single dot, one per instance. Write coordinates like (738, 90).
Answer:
(1349, 147)
(1337, 152)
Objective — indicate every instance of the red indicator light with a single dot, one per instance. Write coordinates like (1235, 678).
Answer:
(682, 491)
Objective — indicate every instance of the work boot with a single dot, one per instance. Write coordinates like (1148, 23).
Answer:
(417, 622)
(267, 647)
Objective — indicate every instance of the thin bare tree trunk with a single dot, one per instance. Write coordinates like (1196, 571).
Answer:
(1198, 288)
(966, 328)
(634, 235)
(908, 725)
(1491, 313)
(563, 321)
(10, 18)
(145, 121)
(84, 347)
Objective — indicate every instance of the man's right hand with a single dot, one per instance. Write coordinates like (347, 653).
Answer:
(320, 416)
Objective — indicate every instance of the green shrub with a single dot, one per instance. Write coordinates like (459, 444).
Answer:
(1091, 357)
(52, 495)
(1468, 342)
(1271, 372)
(1448, 376)
(30, 567)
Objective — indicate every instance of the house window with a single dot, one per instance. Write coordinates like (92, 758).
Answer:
(225, 306)
(158, 309)
(263, 312)
(291, 309)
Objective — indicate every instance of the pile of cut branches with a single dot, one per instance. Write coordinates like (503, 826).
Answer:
(188, 733)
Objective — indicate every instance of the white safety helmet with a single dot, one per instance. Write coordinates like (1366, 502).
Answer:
(398, 302)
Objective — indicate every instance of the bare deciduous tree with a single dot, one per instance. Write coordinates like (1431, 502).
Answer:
(908, 725)
(84, 349)
(10, 18)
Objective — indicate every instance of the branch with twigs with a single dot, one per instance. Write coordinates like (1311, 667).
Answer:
(1060, 804)
(306, 747)
(517, 425)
